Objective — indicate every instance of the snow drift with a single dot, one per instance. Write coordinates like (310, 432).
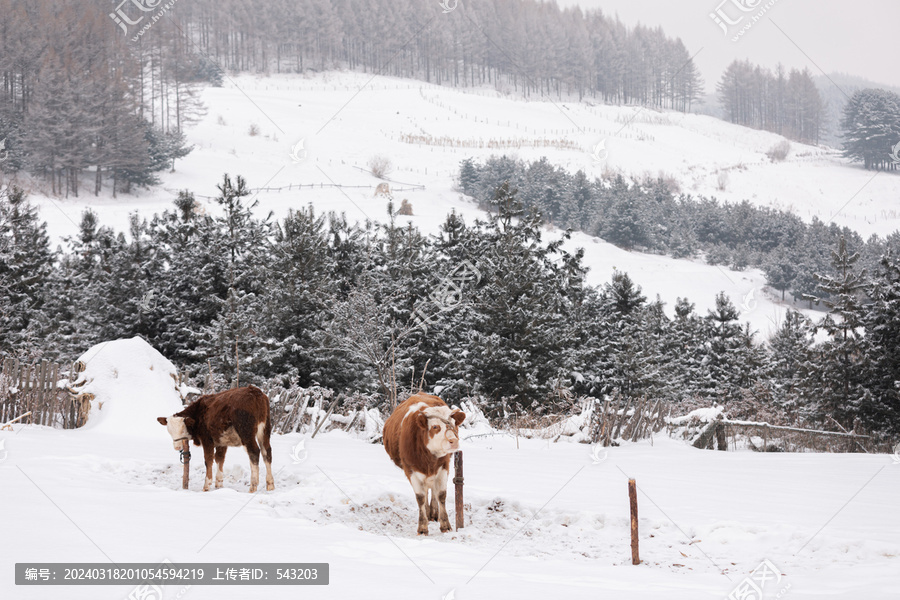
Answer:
(132, 384)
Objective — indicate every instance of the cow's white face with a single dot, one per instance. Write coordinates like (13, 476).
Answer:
(177, 429)
(442, 434)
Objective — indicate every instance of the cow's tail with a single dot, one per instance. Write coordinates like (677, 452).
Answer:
(266, 443)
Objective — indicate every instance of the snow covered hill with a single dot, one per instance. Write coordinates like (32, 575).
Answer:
(344, 119)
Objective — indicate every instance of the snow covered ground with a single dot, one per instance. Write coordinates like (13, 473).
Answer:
(342, 128)
(543, 520)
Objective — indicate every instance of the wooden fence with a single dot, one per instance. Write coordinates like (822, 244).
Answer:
(778, 438)
(308, 410)
(631, 420)
(289, 406)
(724, 434)
(300, 186)
(34, 388)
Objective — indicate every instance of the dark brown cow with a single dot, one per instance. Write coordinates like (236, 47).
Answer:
(420, 436)
(238, 417)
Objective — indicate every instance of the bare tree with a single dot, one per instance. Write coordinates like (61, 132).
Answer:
(364, 329)
(380, 165)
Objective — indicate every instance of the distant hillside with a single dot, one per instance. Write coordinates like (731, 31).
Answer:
(129, 98)
(709, 104)
(426, 130)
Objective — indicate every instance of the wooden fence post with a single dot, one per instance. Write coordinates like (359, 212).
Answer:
(632, 497)
(458, 482)
(186, 459)
(25, 382)
(721, 437)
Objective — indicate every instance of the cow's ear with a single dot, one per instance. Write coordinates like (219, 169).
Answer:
(189, 421)
(421, 421)
(163, 420)
(458, 416)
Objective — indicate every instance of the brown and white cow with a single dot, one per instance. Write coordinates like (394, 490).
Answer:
(420, 436)
(238, 417)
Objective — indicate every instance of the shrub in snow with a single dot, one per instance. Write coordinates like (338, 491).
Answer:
(405, 208)
(722, 181)
(373, 425)
(380, 165)
(779, 151)
(476, 423)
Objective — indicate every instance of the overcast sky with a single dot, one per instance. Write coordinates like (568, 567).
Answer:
(860, 37)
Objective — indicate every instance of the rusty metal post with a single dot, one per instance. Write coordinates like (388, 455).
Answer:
(458, 482)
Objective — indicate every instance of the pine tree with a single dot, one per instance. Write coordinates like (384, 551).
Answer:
(880, 358)
(468, 177)
(187, 298)
(624, 220)
(577, 203)
(129, 284)
(730, 357)
(686, 349)
(26, 264)
(871, 124)
(514, 352)
(300, 289)
(544, 187)
(237, 330)
(780, 270)
(790, 355)
(839, 383)
(75, 301)
(631, 367)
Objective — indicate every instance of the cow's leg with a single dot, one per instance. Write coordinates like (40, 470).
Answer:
(417, 480)
(220, 463)
(440, 486)
(253, 452)
(265, 448)
(208, 459)
(433, 510)
(245, 429)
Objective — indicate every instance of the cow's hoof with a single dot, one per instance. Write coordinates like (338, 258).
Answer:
(270, 487)
(205, 488)
(445, 528)
(253, 490)
(218, 484)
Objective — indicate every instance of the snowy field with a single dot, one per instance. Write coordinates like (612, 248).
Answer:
(342, 128)
(543, 520)
(706, 518)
